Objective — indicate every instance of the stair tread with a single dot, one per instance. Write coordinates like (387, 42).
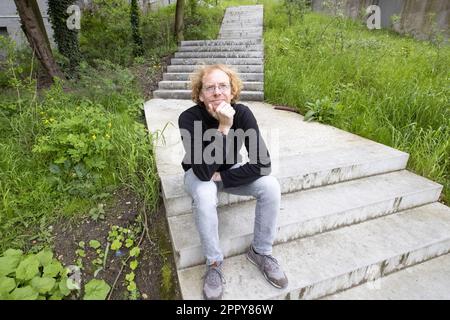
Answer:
(300, 216)
(327, 262)
(429, 280)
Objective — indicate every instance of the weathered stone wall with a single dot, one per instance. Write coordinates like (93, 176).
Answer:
(417, 17)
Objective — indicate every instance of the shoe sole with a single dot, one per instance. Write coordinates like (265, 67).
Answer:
(265, 276)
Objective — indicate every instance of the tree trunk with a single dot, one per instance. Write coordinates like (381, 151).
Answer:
(34, 29)
(179, 20)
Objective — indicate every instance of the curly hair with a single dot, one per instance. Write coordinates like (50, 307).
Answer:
(197, 78)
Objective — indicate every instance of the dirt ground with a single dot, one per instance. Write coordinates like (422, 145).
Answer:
(156, 252)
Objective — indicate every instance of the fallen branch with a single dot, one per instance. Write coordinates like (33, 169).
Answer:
(287, 109)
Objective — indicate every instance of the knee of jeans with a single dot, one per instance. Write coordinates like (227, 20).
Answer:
(269, 187)
(205, 195)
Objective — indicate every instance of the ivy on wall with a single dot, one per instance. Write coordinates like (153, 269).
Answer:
(66, 39)
(137, 39)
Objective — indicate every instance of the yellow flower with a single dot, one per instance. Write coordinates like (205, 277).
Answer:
(108, 136)
(109, 124)
(94, 137)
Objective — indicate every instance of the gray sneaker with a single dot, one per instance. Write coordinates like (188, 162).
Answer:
(270, 268)
(214, 280)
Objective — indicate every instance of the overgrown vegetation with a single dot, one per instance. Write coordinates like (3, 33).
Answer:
(389, 88)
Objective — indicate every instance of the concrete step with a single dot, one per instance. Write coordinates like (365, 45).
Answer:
(258, 77)
(246, 7)
(341, 205)
(186, 94)
(233, 48)
(228, 21)
(208, 43)
(241, 25)
(300, 172)
(240, 34)
(220, 54)
(238, 68)
(231, 28)
(336, 260)
(244, 14)
(429, 280)
(208, 61)
(186, 85)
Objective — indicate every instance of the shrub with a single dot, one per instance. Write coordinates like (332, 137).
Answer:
(76, 142)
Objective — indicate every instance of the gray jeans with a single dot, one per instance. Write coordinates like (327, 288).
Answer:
(266, 190)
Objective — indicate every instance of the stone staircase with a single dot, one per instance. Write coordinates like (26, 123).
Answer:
(350, 212)
(354, 223)
(239, 45)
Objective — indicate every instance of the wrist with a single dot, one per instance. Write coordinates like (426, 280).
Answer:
(223, 129)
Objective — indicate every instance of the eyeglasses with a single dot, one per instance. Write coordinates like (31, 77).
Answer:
(222, 88)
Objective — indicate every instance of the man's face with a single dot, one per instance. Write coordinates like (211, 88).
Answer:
(216, 88)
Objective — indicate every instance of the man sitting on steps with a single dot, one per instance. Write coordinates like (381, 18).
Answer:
(213, 132)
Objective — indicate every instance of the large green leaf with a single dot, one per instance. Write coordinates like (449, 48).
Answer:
(13, 252)
(8, 264)
(53, 269)
(57, 295)
(45, 257)
(7, 284)
(43, 285)
(63, 288)
(28, 268)
(96, 290)
(25, 293)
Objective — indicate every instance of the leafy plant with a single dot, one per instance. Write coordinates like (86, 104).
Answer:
(96, 290)
(75, 142)
(97, 213)
(322, 110)
(119, 236)
(32, 276)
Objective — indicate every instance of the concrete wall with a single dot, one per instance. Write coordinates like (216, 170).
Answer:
(10, 19)
(414, 14)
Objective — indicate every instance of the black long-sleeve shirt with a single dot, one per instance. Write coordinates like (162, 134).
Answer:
(224, 150)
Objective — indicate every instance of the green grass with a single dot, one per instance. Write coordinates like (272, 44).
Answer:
(383, 86)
